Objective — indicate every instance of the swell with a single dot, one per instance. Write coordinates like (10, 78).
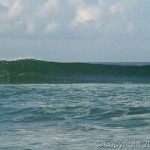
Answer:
(37, 71)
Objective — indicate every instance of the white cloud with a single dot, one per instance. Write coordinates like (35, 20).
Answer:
(117, 8)
(15, 9)
(131, 27)
(5, 3)
(31, 26)
(35, 17)
(52, 27)
(48, 7)
(76, 2)
(121, 7)
(9, 17)
(85, 14)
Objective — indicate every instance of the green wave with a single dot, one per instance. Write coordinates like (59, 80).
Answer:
(37, 71)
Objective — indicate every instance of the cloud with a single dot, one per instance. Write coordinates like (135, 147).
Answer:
(5, 3)
(52, 27)
(117, 8)
(48, 16)
(31, 27)
(75, 2)
(84, 15)
(47, 7)
(122, 7)
(15, 9)
(131, 27)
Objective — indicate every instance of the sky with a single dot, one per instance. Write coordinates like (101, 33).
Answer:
(75, 30)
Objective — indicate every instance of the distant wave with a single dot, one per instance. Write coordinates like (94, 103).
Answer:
(37, 71)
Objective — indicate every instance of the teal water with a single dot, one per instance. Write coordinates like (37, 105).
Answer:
(74, 116)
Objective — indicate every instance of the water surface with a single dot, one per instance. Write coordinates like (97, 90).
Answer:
(73, 116)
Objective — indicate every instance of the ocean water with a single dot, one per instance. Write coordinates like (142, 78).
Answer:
(103, 116)
(30, 71)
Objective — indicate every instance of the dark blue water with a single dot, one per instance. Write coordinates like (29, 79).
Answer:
(74, 116)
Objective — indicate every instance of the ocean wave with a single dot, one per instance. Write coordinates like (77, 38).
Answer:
(38, 71)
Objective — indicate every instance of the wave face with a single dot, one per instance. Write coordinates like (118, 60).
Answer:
(37, 71)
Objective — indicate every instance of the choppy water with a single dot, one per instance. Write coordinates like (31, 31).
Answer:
(74, 116)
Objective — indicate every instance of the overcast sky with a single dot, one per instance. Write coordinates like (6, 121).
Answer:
(75, 30)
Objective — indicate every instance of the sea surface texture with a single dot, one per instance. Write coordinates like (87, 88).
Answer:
(75, 116)
(74, 106)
